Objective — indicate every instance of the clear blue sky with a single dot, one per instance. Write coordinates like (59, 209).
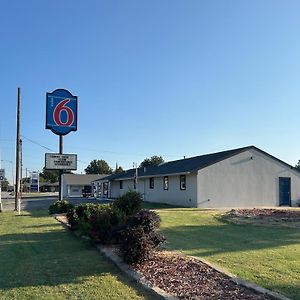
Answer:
(170, 78)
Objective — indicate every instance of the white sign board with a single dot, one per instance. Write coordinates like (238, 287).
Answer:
(2, 174)
(54, 161)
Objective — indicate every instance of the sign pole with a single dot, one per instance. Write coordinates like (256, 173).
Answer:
(60, 171)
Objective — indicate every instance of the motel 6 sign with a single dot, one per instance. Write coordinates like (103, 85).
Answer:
(61, 112)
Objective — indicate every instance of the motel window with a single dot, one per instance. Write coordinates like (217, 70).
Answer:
(121, 184)
(151, 182)
(182, 182)
(166, 183)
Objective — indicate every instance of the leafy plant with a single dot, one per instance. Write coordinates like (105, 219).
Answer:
(60, 206)
(136, 246)
(129, 203)
(141, 237)
(148, 219)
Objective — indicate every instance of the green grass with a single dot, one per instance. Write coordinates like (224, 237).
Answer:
(39, 259)
(153, 205)
(268, 256)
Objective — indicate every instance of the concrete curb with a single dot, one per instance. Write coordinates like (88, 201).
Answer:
(116, 260)
(108, 253)
(244, 283)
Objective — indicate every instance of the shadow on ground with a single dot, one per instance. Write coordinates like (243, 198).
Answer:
(217, 239)
(45, 254)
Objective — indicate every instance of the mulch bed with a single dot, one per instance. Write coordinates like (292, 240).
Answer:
(264, 217)
(274, 213)
(189, 278)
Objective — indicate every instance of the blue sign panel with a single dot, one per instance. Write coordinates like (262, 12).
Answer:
(61, 112)
(34, 188)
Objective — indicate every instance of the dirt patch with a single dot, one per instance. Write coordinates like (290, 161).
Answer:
(62, 219)
(266, 217)
(189, 278)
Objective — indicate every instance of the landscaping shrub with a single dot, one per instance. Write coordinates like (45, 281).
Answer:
(79, 217)
(136, 246)
(148, 219)
(73, 219)
(101, 222)
(141, 237)
(129, 203)
(60, 206)
(136, 230)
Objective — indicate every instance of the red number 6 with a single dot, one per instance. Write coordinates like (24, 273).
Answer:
(59, 109)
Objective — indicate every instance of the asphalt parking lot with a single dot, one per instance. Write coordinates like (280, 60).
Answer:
(42, 202)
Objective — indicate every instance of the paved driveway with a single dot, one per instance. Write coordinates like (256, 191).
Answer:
(33, 203)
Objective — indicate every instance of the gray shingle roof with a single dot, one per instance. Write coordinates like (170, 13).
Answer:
(187, 165)
(81, 179)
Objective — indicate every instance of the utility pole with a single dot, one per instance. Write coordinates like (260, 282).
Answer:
(17, 192)
(21, 171)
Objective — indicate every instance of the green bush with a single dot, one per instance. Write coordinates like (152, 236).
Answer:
(123, 222)
(148, 219)
(73, 219)
(135, 247)
(60, 206)
(141, 236)
(99, 221)
(79, 218)
(129, 203)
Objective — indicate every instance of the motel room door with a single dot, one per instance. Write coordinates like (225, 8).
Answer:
(284, 191)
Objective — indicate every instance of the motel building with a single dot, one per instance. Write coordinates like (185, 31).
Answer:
(243, 177)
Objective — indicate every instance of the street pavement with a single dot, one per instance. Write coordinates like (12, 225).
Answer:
(42, 202)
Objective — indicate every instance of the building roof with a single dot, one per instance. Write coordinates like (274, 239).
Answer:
(185, 166)
(81, 179)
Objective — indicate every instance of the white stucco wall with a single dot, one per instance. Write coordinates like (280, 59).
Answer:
(244, 182)
(173, 195)
(72, 190)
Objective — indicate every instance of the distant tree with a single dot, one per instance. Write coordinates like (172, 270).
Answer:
(49, 175)
(119, 169)
(99, 166)
(153, 161)
(297, 166)
(4, 184)
(25, 180)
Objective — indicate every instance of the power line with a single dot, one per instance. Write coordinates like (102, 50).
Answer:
(47, 148)
(37, 143)
(101, 150)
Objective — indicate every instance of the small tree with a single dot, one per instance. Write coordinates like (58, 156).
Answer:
(49, 175)
(153, 161)
(119, 169)
(297, 166)
(4, 184)
(99, 166)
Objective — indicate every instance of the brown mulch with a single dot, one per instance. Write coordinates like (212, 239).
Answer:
(274, 213)
(189, 278)
(288, 218)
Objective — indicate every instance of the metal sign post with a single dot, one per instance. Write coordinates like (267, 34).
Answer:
(61, 119)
